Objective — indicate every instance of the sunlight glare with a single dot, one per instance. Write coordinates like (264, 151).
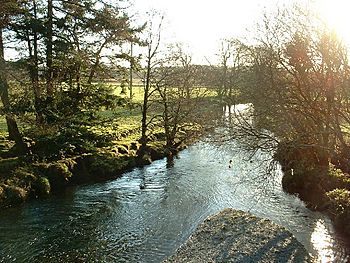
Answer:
(322, 242)
(336, 15)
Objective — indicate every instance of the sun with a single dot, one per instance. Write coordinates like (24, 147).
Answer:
(337, 16)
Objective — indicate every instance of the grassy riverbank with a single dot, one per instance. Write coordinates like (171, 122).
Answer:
(62, 157)
(83, 148)
(322, 185)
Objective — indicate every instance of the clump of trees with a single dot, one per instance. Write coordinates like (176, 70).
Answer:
(296, 76)
(62, 47)
(66, 50)
(62, 112)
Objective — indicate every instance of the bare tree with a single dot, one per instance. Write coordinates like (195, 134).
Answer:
(153, 41)
(300, 73)
(179, 98)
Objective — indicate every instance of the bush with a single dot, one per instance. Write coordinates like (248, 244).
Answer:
(338, 179)
(68, 141)
(108, 165)
(8, 165)
(42, 186)
(14, 195)
(339, 200)
(339, 208)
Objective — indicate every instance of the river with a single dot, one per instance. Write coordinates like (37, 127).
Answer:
(149, 212)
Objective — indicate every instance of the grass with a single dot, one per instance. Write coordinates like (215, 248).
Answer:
(3, 125)
(137, 92)
(121, 123)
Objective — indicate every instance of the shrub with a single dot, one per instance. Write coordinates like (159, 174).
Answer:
(42, 186)
(15, 195)
(339, 208)
(339, 200)
(58, 173)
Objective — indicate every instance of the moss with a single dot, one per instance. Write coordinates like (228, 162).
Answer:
(156, 150)
(123, 150)
(42, 186)
(144, 160)
(134, 146)
(2, 193)
(58, 173)
(109, 165)
(24, 176)
(14, 195)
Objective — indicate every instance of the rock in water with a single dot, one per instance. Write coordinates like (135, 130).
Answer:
(236, 236)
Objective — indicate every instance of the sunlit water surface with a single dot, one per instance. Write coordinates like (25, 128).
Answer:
(149, 212)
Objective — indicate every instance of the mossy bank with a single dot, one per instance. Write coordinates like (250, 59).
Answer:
(24, 179)
(322, 185)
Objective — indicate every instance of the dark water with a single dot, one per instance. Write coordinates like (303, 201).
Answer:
(118, 221)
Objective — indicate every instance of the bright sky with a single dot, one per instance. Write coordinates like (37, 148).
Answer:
(201, 24)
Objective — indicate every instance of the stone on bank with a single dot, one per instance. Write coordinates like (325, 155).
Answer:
(236, 236)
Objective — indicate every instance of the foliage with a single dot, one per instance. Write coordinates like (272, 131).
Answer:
(9, 164)
(42, 186)
(339, 199)
(296, 77)
(338, 175)
(339, 208)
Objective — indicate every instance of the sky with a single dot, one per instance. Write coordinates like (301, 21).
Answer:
(201, 24)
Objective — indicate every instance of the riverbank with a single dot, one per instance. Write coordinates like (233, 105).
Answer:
(323, 186)
(236, 236)
(24, 179)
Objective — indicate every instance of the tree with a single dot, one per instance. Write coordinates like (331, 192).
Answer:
(153, 42)
(9, 8)
(179, 99)
(298, 90)
(49, 52)
(65, 42)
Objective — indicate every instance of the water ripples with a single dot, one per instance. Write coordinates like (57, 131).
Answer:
(149, 212)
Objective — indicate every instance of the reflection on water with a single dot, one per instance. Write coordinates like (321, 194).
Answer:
(323, 241)
(119, 221)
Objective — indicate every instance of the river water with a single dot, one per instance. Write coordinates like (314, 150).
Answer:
(149, 212)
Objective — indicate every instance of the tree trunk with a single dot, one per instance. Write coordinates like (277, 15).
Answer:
(143, 139)
(131, 69)
(49, 59)
(94, 67)
(12, 127)
(34, 69)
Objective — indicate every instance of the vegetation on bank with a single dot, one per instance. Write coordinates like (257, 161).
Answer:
(296, 76)
(64, 123)
(89, 147)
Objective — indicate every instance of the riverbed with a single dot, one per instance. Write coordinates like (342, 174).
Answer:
(149, 212)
